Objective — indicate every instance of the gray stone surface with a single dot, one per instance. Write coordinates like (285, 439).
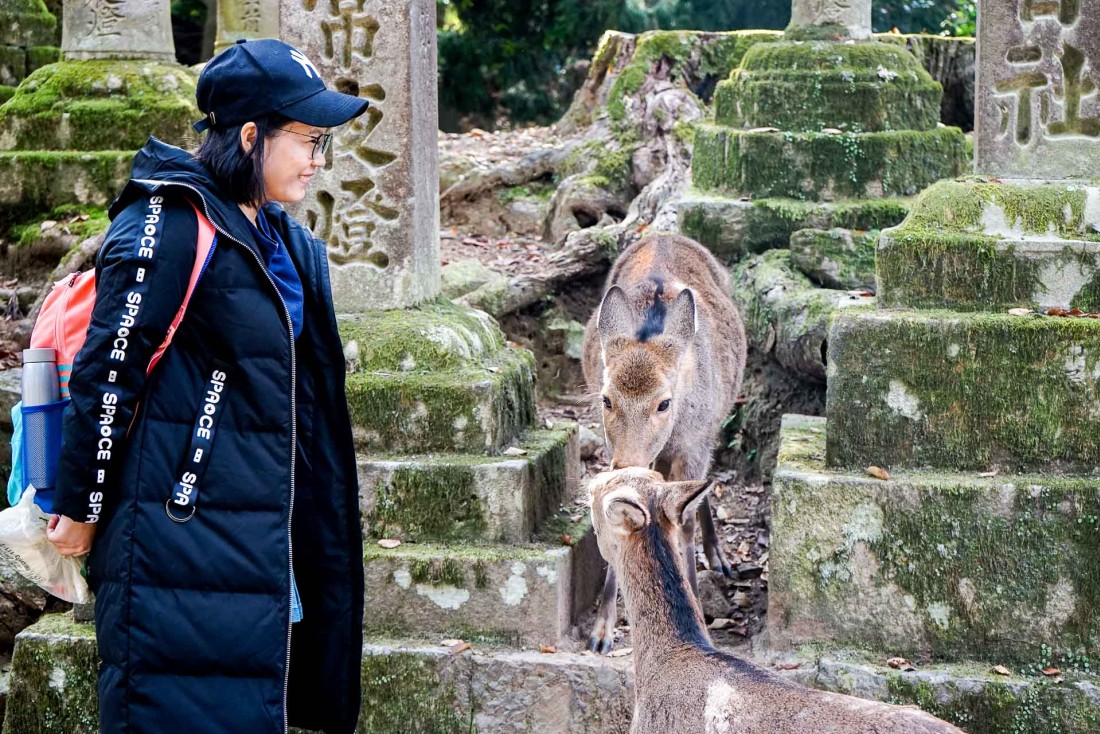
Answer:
(43, 180)
(1038, 114)
(520, 595)
(117, 29)
(245, 19)
(376, 205)
(853, 15)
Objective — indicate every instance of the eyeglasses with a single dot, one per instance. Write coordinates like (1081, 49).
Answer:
(321, 143)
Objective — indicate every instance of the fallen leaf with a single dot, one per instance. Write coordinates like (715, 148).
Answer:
(1020, 311)
(988, 474)
(450, 643)
(1056, 312)
(389, 543)
(901, 664)
(788, 666)
(831, 131)
(1051, 671)
(459, 648)
(764, 130)
(1001, 670)
(720, 624)
(515, 451)
(47, 224)
(620, 653)
(566, 539)
(547, 648)
(878, 473)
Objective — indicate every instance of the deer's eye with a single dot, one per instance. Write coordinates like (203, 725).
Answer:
(664, 405)
(607, 402)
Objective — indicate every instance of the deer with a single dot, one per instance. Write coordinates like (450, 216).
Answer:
(682, 684)
(665, 353)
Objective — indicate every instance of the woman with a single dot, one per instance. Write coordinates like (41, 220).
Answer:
(220, 489)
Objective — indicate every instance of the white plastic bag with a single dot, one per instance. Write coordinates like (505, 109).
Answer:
(23, 544)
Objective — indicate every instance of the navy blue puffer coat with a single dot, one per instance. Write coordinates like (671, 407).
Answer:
(193, 618)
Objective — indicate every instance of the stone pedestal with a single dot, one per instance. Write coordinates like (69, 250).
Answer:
(114, 29)
(844, 18)
(376, 205)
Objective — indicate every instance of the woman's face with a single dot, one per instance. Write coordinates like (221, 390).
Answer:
(288, 165)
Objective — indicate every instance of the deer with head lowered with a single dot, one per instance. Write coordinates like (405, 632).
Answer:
(682, 685)
(665, 353)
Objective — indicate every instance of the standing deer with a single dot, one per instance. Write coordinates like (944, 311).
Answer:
(682, 685)
(665, 352)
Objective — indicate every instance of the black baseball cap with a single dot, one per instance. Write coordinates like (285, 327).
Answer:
(254, 78)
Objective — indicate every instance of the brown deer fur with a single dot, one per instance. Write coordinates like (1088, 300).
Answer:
(665, 353)
(682, 685)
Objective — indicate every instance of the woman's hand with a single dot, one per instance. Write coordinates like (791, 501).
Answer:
(71, 538)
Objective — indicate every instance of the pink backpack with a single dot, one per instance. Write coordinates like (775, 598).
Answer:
(62, 323)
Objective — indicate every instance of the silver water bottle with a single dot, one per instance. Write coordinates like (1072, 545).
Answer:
(40, 384)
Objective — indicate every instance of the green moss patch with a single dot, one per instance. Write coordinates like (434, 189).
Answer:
(835, 258)
(446, 497)
(966, 391)
(431, 337)
(472, 409)
(100, 105)
(32, 182)
(54, 679)
(404, 692)
(820, 166)
(26, 23)
(804, 87)
(934, 566)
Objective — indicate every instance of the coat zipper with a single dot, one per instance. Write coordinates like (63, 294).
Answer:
(293, 420)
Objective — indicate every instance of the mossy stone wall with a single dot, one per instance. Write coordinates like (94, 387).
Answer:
(100, 105)
(963, 391)
(804, 87)
(32, 182)
(823, 166)
(930, 566)
(26, 23)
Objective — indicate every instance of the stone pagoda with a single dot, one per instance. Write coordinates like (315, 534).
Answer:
(825, 128)
(947, 511)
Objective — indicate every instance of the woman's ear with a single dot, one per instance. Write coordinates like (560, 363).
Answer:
(248, 136)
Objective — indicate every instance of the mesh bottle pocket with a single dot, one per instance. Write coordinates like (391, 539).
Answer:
(41, 449)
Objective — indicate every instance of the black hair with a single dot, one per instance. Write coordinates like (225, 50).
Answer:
(240, 173)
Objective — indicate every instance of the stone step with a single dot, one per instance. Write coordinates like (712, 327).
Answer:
(39, 180)
(529, 595)
(731, 226)
(990, 245)
(804, 87)
(448, 497)
(419, 686)
(823, 166)
(478, 408)
(956, 390)
(931, 565)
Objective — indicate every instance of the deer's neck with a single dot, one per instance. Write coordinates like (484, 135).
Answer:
(665, 617)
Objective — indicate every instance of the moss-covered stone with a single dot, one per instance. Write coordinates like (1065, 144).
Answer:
(482, 407)
(963, 391)
(512, 594)
(53, 682)
(731, 227)
(977, 244)
(784, 312)
(37, 181)
(835, 258)
(804, 87)
(933, 566)
(432, 337)
(969, 695)
(39, 56)
(823, 166)
(100, 105)
(469, 497)
(712, 55)
(26, 23)
(403, 691)
(6, 93)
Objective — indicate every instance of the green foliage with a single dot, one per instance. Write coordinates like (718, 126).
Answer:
(917, 16)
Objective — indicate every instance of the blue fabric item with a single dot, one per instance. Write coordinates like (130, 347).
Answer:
(281, 268)
(295, 601)
(15, 481)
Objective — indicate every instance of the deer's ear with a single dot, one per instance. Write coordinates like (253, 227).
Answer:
(615, 319)
(625, 514)
(680, 500)
(680, 323)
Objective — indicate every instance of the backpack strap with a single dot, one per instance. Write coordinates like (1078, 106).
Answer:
(205, 248)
